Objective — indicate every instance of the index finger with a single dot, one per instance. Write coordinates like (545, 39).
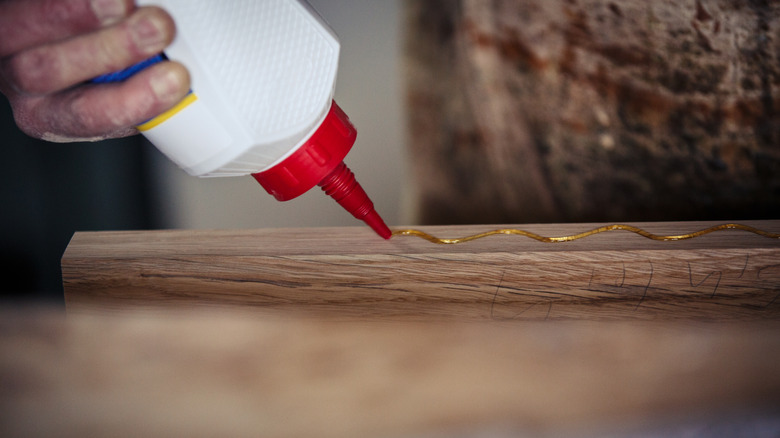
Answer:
(28, 23)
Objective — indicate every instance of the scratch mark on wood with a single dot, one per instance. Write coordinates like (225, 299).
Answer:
(525, 310)
(773, 301)
(720, 276)
(763, 268)
(744, 268)
(644, 294)
(590, 281)
(495, 295)
(717, 283)
(593, 274)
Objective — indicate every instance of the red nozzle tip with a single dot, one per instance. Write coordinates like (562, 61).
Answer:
(376, 223)
(341, 185)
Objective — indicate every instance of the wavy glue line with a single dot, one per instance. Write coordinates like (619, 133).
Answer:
(558, 239)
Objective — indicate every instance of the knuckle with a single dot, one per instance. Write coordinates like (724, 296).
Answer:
(108, 56)
(64, 11)
(33, 71)
(82, 112)
(126, 114)
(104, 112)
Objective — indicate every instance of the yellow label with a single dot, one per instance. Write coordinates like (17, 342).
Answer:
(188, 99)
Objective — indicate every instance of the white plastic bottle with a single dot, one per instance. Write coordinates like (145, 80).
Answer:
(263, 74)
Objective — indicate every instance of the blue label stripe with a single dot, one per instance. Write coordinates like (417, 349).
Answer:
(121, 75)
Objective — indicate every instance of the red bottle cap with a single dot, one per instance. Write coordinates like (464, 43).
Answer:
(319, 161)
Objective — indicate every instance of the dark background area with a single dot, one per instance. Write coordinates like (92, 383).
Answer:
(48, 191)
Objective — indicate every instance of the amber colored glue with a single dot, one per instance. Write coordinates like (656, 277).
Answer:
(605, 228)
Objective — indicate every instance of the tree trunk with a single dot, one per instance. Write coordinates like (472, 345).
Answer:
(594, 110)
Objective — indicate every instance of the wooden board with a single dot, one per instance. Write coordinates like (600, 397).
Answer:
(231, 373)
(350, 273)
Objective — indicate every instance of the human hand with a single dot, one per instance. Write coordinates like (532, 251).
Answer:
(49, 49)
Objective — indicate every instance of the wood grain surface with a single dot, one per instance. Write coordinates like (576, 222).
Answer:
(220, 372)
(349, 273)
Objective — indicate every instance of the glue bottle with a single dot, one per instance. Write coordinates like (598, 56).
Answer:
(263, 74)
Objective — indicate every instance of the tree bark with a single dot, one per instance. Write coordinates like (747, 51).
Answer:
(594, 110)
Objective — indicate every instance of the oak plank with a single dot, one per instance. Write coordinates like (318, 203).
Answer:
(348, 273)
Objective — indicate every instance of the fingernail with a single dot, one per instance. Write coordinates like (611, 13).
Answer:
(108, 11)
(166, 84)
(148, 34)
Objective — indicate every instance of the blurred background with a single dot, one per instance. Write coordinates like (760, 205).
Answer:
(49, 191)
